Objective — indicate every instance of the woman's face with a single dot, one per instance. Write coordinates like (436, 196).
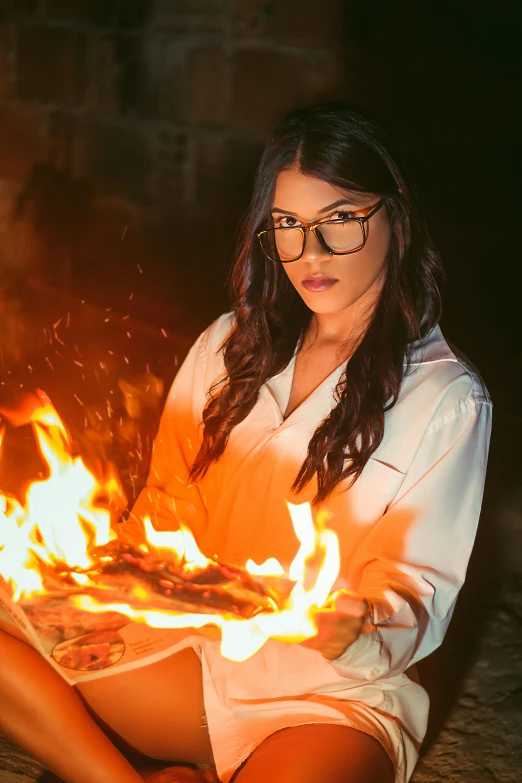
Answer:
(299, 200)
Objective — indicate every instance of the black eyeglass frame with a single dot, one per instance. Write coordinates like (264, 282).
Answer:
(314, 228)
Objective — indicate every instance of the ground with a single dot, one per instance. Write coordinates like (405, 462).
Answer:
(480, 739)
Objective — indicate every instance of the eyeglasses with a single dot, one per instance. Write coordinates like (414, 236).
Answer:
(338, 237)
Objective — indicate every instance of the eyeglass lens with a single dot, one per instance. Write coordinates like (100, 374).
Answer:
(286, 244)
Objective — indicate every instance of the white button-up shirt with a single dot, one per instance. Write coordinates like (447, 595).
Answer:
(405, 528)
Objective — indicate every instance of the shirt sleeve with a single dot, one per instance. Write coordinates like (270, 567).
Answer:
(168, 497)
(414, 561)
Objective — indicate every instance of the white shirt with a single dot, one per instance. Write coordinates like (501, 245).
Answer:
(406, 529)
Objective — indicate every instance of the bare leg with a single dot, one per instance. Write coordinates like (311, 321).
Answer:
(157, 710)
(44, 716)
(317, 752)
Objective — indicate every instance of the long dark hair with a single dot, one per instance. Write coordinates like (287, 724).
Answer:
(343, 146)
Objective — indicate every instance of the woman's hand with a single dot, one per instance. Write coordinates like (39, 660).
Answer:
(339, 627)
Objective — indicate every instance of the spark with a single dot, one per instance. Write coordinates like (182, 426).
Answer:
(124, 232)
(78, 399)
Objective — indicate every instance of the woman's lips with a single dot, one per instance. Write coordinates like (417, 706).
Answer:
(319, 285)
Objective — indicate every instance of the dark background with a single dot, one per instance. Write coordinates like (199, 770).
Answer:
(129, 135)
(148, 118)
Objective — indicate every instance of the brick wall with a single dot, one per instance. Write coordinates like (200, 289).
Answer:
(154, 101)
(163, 105)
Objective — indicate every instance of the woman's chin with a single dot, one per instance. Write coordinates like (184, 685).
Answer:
(327, 306)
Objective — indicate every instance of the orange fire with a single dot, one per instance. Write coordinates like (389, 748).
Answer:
(54, 530)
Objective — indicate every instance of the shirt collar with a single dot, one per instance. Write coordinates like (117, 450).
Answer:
(429, 349)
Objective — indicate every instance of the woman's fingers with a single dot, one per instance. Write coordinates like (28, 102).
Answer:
(337, 630)
(351, 604)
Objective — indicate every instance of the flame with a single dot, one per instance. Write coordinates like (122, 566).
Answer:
(270, 567)
(53, 532)
(60, 519)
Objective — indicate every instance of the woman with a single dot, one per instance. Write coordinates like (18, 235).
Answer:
(330, 383)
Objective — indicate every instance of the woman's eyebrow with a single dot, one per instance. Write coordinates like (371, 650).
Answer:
(338, 203)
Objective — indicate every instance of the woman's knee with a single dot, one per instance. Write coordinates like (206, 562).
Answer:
(314, 753)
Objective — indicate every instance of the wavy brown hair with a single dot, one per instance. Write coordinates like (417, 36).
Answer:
(345, 147)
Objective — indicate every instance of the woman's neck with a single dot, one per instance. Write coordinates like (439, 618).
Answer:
(348, 326)
(342, 330)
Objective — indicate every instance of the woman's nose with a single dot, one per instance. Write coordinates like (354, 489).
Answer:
(313, 248)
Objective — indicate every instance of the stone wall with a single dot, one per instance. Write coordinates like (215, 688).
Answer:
(160, 107)
(151, 100)
(148, 117)
(163, 105)
(154, 99)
